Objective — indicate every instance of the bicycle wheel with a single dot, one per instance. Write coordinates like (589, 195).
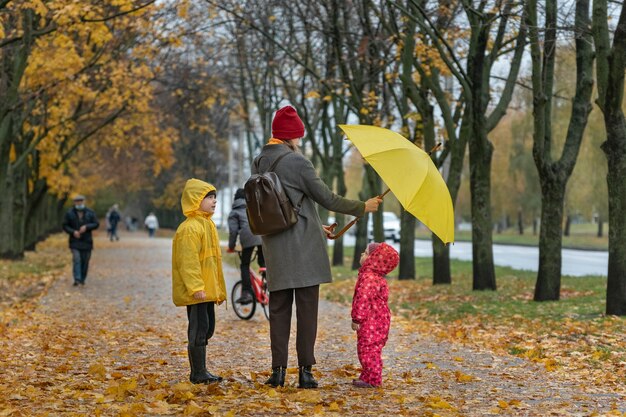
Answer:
(243, 311)
(266, 307)
(266, 310)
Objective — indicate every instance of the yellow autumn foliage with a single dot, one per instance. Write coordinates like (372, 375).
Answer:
(88, 87)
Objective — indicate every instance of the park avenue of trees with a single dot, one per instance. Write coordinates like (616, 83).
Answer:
(132, 97)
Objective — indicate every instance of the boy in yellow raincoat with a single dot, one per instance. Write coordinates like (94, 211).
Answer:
(197, 277)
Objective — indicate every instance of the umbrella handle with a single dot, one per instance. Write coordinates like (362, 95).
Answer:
(333, 226)
(434, 148)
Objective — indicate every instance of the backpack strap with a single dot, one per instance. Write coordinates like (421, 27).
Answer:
(273, 167)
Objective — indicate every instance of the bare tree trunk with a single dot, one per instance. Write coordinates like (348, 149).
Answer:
(407, 255)
(361, 227)
(615, 150)
(610, 66)
(568, 224)
(611, 63)
(548, 284)
(441, 262)
(483, 268)
(553, 175)
(480, 152)
(338, 248)
(13, 62)
(12, 212)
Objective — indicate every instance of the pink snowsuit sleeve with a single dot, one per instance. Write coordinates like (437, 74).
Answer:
(371, 291)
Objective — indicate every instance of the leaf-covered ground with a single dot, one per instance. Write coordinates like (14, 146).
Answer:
(117, 347)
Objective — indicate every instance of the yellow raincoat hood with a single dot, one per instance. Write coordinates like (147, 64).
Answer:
(196, 253)
(193, 194)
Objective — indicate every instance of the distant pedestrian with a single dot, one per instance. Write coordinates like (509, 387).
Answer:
(113, 220)
(238, 227)
(78, 223)
(151, 223)
(370, 313)
(197, 277)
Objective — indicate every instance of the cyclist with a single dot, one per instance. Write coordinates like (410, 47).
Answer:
(238, 226)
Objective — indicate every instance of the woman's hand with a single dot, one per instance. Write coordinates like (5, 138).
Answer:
(355, 326)
(329, 229)
(372, 204)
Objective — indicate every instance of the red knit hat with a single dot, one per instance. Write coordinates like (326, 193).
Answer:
(287, 125)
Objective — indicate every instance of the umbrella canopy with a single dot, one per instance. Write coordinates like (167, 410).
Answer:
(410, 174)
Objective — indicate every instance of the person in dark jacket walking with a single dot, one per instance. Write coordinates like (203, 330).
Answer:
(113, 220)
(297, 258)
(78, 223)
(238, 226)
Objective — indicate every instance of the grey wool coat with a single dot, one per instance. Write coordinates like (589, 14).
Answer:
(297, 257)
(238, 226)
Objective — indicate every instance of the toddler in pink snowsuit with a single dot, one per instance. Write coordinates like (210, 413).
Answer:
(370, 313)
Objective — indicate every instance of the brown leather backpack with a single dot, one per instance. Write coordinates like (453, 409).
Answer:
(269, 209)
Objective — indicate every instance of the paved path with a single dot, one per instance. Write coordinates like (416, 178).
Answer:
(118, 346)
(574, 262)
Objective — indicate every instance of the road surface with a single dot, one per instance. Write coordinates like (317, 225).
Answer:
(574, 262)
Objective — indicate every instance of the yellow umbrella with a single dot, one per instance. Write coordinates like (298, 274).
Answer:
(409, 173)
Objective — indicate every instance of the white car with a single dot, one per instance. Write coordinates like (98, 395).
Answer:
(391, 225)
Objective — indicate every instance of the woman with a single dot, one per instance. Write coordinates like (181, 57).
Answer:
(297, 259)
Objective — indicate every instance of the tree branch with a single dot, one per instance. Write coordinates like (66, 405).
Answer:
(106, 122)
(116, 15)
(36, 33)
(505, 98)
(442, 46)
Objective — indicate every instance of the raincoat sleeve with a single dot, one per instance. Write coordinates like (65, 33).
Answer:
(233, 229)
(314, 187)
(188, 262)
(364, 292)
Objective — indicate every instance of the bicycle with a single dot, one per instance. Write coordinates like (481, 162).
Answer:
(260, 294)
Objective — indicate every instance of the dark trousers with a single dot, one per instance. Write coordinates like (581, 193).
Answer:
(80, 264)
(201, 323)
(246, 255)
(113, 231)
(281, 302)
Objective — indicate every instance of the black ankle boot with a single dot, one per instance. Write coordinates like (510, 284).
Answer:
(305, 378)
(278, 377)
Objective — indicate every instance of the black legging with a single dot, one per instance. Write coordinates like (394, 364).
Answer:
(246, 255)
(201, 323)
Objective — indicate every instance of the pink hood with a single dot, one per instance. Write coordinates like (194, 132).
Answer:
(382, 261)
